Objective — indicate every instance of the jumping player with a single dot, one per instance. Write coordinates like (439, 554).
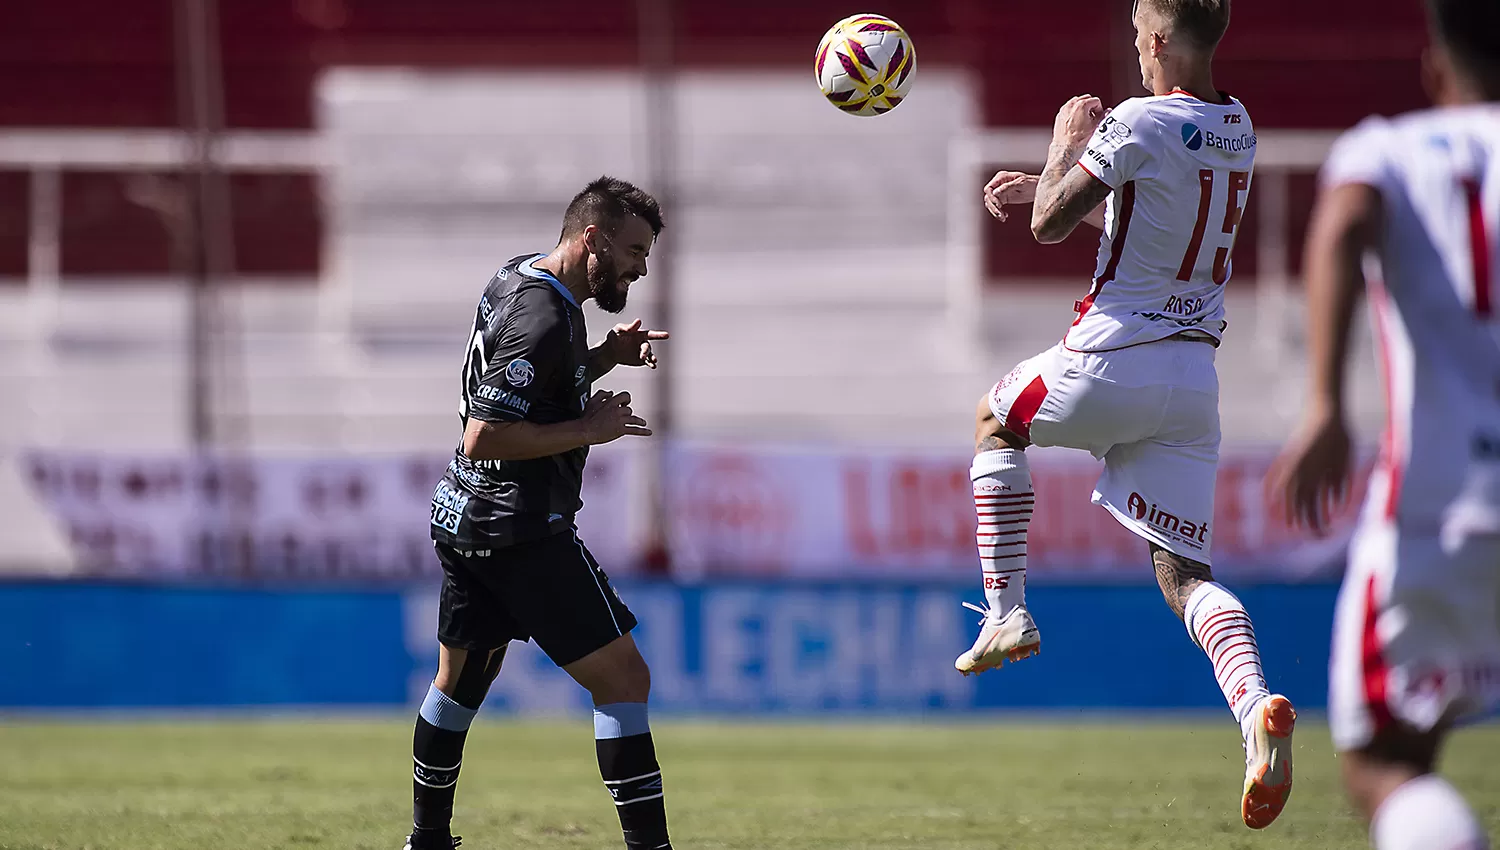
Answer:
(1416, 643)
(1133, 381)
(502, 516)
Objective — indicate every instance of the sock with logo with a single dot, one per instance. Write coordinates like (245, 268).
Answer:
(436, 753)
(1426, 813)
(627, 762)
(1003, 501)
(1218, 623)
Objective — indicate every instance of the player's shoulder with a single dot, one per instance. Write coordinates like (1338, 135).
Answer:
(520, 281)
(527, 297)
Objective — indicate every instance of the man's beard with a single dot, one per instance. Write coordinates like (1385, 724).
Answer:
(606, 287)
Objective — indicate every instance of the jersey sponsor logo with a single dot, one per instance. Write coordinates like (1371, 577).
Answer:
(1171, 526)
(1231, 144)
(1097, 157)
(1114, 128)
(1233, 118)
(519, 372)
(508, 400)
(1192, 137)
(583, 373)
(1187, 322)
(486, 310)
(447, 507)
(469, 476)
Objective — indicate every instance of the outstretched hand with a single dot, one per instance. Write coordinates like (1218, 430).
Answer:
(630, 345)
(1008, 187)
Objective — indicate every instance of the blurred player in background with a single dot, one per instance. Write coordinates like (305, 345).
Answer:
(1134, 381)
(1416, 642)
(503, 515)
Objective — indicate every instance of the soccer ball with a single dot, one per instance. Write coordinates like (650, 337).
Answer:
(865, 64)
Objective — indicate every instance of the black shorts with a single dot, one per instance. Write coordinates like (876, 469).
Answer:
(550, 590)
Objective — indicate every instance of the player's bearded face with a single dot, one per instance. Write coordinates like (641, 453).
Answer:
(606, 284)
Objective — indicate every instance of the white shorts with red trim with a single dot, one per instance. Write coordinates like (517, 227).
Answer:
(1150, 411)
(1416, 641)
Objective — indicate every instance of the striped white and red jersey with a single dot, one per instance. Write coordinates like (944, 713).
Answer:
(1180, 168)
(1436, 310)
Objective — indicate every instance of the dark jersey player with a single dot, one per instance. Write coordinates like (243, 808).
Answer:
(502, 516)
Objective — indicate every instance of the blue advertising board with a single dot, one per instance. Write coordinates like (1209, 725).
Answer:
(731, 648)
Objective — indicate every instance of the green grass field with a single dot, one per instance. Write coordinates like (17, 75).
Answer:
(320, 783)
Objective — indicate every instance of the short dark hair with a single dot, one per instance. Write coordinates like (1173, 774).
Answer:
(1470, 30)
(1201, 22)
(606, 202)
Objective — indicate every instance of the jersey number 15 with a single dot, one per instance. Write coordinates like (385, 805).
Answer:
(1239, 183)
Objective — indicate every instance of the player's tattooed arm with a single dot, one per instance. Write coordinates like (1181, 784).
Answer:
(1065, 193)
(1066, 196)
(1178, 577)
(1015, 187)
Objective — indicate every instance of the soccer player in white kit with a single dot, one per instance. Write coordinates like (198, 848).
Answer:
(1416, 643)
(1133, 380)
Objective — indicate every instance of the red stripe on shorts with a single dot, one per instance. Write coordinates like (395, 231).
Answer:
(1024, 408)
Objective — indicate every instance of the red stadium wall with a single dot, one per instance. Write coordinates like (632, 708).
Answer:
(102, 63)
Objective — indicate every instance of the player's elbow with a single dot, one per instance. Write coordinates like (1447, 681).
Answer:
(486, 440)
(1047, 229)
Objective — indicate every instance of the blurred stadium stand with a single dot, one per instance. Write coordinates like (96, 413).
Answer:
(836, 280)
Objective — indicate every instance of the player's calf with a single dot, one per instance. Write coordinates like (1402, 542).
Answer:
(1217, 622)
(618, 679)
(438, 741)
(1003, 502)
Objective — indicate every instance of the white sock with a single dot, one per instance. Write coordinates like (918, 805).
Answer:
(1003, 500)
(1426, 813)
(1221, 628)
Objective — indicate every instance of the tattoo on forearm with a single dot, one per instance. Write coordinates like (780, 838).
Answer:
(1178, 577)
(1059, 160)
(1065, 196)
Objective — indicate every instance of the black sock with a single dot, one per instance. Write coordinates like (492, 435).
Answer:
(627, 761)
(436, 756)
(437, 753)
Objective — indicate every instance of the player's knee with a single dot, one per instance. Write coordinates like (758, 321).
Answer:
(989, 432)
(465, 676)
(629, 680)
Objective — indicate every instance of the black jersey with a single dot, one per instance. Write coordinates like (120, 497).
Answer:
(527, 361)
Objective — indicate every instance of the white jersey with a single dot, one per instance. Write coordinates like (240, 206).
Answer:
(1180, 169)
(1436, 308)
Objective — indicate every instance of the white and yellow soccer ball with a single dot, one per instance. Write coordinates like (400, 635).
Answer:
(865, 64)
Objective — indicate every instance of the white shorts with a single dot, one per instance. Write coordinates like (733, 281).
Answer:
(1150, 411)
(1415, 635)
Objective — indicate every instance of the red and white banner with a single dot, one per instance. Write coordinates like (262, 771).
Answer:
(910, 515)
(358, 518)
(733, 510)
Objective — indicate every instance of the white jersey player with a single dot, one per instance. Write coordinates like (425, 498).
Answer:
(1133, 380)
(1416, 644)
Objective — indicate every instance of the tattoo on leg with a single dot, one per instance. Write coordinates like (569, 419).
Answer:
(989, 443)
(1178, 577)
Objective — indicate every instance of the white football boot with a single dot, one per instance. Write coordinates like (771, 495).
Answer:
(1268, 762)
(1008, 638)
